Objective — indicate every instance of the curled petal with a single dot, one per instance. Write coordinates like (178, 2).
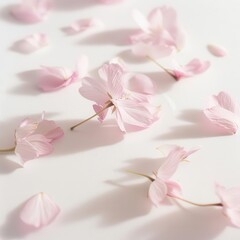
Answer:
(216, 50)
(83, 25)
(157, 192)
(194, 67)
(39, 210)
(55, 78)
(31, 11)
(173, 189)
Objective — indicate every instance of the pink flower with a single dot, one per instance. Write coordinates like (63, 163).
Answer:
(131, 103)
(31, 11)
(162, 186)
(224, 112)
(194, 67)
(55, 78)
(230, 199)
(159, 34)
(83, 25)
(34, 138)
(39, 210)
(32, 43)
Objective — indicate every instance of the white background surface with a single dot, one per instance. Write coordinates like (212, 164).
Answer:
(85, 173)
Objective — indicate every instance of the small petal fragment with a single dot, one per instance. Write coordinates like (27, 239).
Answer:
(39, 211)
(31, 11)
(216, 50)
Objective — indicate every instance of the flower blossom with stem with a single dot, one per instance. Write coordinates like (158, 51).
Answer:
(33, 138)
(161, 185)
(126, 93)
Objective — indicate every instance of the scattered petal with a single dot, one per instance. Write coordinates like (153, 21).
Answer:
(31, 11)
(39, 211)
(194, 67)
(224, 111)
(216, 50)
(230, 199)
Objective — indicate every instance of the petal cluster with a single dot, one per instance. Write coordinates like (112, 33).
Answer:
(31, 11)
(159, 34)
(131, 104)
(34, 138)
(162, 186)
(224, 111)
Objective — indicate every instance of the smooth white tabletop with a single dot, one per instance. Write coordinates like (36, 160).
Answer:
(85, 174)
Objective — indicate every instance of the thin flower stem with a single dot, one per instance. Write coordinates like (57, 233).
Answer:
(197, 204)
(7, 150)
(96, 114)
(163, 68)
(141, 174)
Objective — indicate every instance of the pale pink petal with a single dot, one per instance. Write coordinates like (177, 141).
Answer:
(234, 216)
(103, 114)
(26, 127)
(223, 118)
(119, 62)
(110, 1)
(157, 192)
(32, 147)
(135, 114)
(141, 20)
(139, 83)
(170, 165)
(39, 210)
(216, 50)
(173, 188)
(31, 11)
(112, 74)
(31, 43)
(83, 25)
(55, 78)
(194, 67)
(82, 66)
(94, 90)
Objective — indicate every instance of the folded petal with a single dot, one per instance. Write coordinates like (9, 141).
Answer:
(157, 192)
(102, 115)
(31, 11)
(194, 67)
(54, 78)
(83, 25)
(39, 210)
(173, 188)
(32, 147)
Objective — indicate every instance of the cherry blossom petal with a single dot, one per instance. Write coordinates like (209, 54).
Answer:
(102, 115)
(94, 90)
(32, 147)
(55, 78)
(170, 165)
(173, 188)
(224, 111)
(194, 67)
(31, 11)
(83, 25)
(157, 192)
(216, 50)
(39, 210)
(135, 114)
(230, 199)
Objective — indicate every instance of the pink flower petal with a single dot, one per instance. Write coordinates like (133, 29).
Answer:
(230, 199)
(55, 78)
(39, 211)
(173, 189)
(194, 67)
(157, 192)
(31, 43)
(216, 50)
(224, 112)
(103, 114)
(83, 25)
(31, 11)
(141, 20)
